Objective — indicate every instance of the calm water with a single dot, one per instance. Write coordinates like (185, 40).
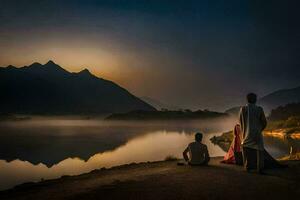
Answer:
(44, 149)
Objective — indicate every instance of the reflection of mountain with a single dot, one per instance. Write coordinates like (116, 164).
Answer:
(138, 149)
(50, 142)
(44, 145)
(49, 89)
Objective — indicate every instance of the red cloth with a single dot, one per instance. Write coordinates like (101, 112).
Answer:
(234, 147)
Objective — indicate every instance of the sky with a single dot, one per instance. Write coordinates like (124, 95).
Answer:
(191, 54)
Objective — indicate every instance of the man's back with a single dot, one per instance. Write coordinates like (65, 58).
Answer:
(253, 121)
(198, 153)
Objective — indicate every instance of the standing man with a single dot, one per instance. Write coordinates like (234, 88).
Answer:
(253, 122)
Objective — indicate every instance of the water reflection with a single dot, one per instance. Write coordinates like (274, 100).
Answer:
(45, 149)
(51, 141)
(149, 147)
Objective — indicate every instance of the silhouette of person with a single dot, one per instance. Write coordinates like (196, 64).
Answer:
(196, 153)
(234, 154)
(253, 121)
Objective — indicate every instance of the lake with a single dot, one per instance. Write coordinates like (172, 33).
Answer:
(38, 149)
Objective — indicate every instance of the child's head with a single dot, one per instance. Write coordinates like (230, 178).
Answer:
(198, 137)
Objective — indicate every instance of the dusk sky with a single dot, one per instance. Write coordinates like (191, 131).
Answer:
(192, 54)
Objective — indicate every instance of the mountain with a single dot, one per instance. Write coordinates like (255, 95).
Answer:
(167, 115)
(158, 104)
(234, 111)
(286, 112)
(273, 100)
(280, 98)
(50, 89)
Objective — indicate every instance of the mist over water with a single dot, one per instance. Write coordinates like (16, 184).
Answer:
(45, 148)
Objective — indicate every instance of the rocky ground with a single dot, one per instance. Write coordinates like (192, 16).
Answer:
(167, 180)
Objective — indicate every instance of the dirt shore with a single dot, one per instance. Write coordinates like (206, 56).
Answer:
(166, 180)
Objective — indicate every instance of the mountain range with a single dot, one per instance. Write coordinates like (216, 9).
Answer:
(50, 89)
(274, 100)
(280, 98)
(288, 112)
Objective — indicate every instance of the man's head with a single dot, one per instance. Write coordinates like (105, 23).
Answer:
(198, 137)
(251, 98)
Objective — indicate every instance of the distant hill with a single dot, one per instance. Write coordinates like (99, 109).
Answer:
(158, 104)
(274, 100)
(233, 111)
(50, 89)
(166, 115)
(280, 98)
(285, 112)
(286, 118)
